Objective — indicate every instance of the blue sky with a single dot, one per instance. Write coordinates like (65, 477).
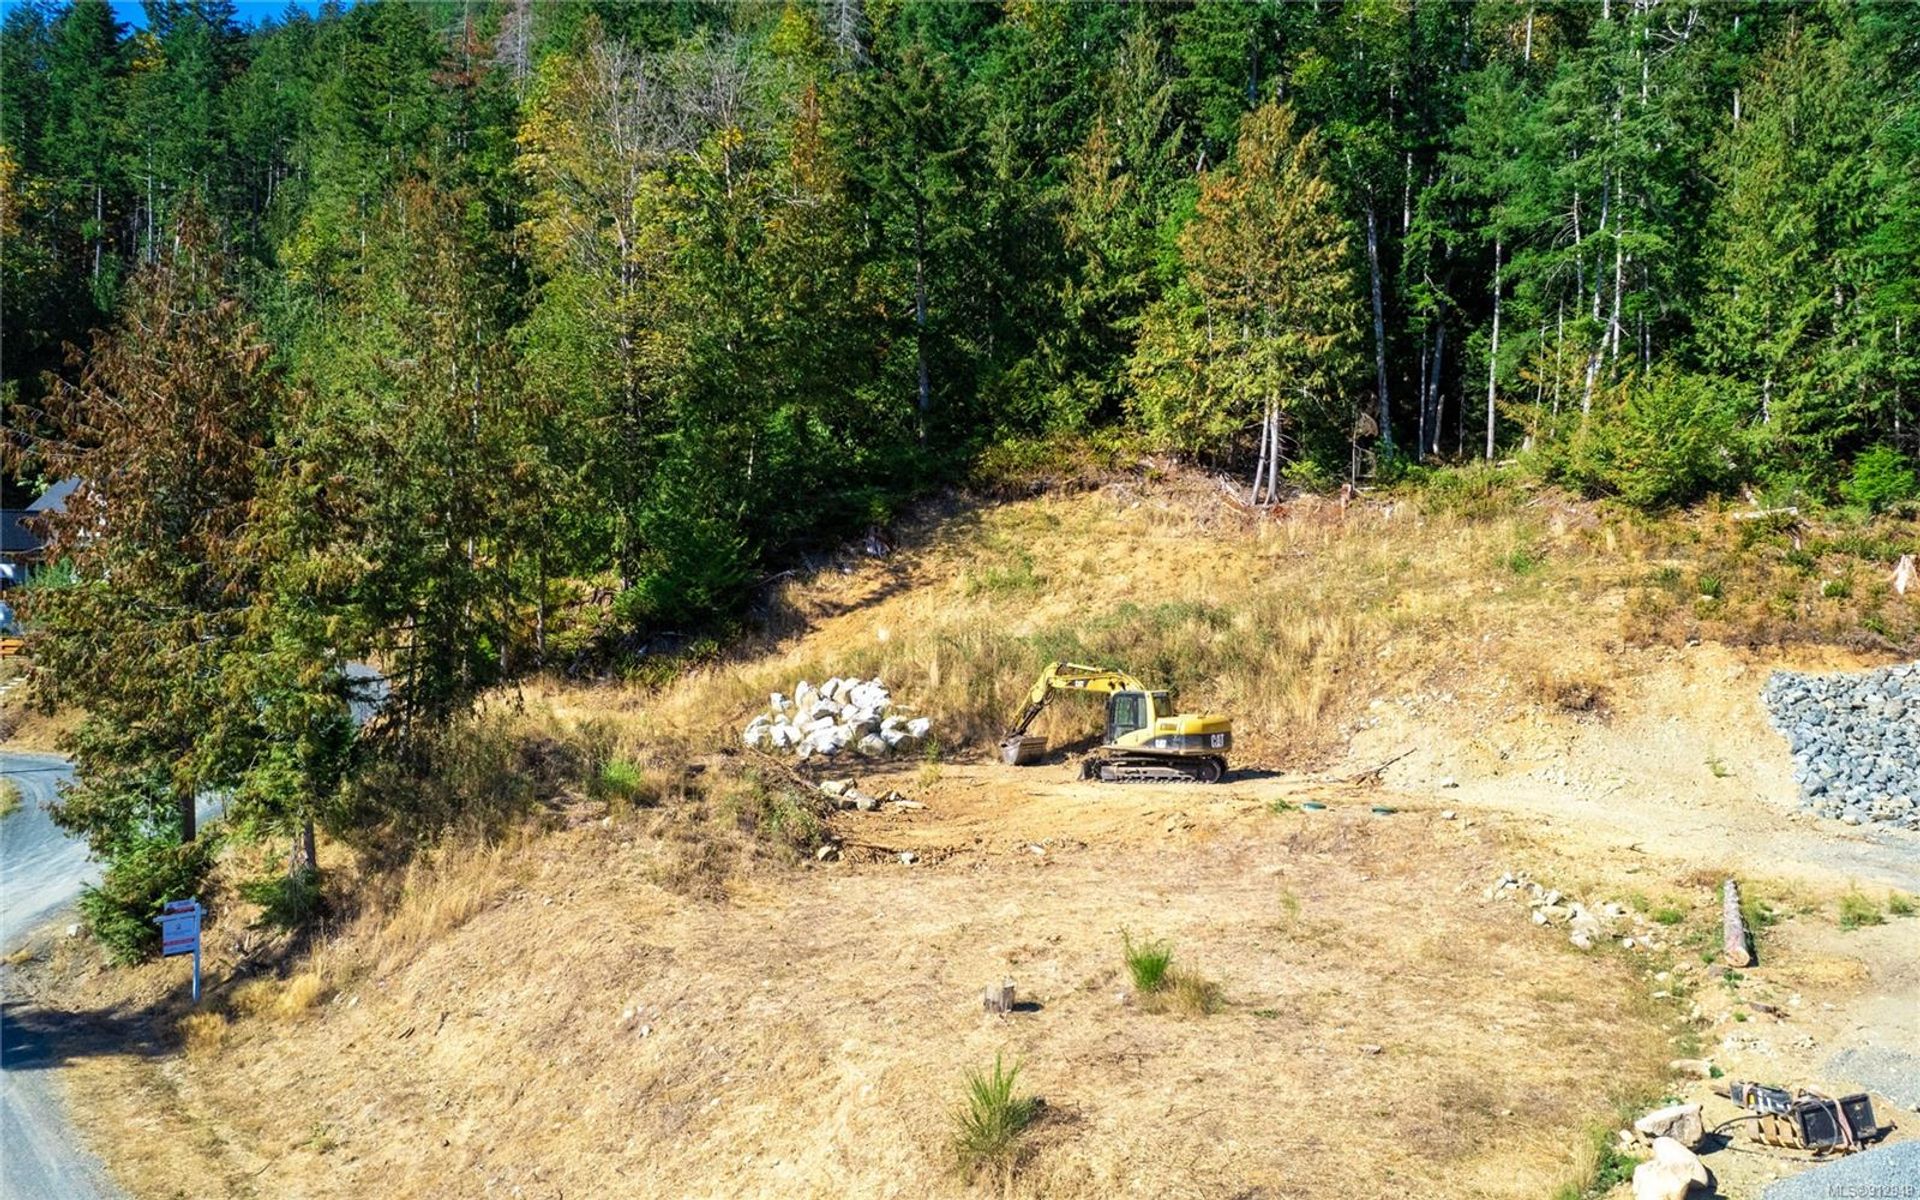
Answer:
(251, 11)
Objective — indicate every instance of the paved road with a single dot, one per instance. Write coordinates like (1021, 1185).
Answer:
(41, 871)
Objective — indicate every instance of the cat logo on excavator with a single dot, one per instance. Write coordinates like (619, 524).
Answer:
(1146, 741)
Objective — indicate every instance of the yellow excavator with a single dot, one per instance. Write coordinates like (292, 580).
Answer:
(1146, 741)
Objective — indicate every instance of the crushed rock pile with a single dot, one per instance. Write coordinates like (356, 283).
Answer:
(839, 716)
(1855, 739)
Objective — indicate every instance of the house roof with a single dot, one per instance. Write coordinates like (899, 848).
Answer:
(54, 499)
(16, 535)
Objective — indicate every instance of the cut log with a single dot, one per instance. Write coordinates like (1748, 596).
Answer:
(1739, 945)
(999, 997)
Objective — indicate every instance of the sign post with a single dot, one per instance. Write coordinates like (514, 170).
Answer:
(179, 924)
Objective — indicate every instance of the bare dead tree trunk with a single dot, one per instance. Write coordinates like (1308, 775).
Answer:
(1273, 444)
(1420, 402)
(1263, 461)
(189, 818)
(920, 316)
(99, 226)
(1379, 331)
(1493, 354)
(1433, 386)
(1736, 942)
(303, 856)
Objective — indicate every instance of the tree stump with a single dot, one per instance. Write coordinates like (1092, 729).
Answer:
(1739, 944)
(999, 997)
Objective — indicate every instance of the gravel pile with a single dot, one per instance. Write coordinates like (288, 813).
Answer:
(838, 716)
(1855, 741)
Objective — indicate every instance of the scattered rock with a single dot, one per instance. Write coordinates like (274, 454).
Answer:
(1673, 1171)
(1854, 737)
(1680, 1122)
(1692, 1068)
(1881, 1171)
(1369, 1048)
(909, 857)
(839, 715)
(827, 853)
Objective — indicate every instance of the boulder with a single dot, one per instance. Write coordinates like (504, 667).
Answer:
(919, 727)
(1680, 1122)
(756, 736)
(1670, 1174)
(871, 746)
(836, 787)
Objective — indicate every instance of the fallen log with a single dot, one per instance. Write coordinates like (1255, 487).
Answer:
(1738, 942)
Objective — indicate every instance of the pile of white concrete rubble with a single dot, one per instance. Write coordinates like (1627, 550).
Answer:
(840, 715)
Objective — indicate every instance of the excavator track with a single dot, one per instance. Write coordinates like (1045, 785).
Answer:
(1154, 770)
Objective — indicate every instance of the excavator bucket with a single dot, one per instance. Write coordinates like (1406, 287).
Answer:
(1022, 749)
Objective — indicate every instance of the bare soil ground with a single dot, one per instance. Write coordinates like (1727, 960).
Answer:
(618, 1008)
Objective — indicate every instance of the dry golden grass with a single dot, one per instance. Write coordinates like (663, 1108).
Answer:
(799, 1039)
(439, 892)
(636, 1003)
(203, 1033)
(301, 993)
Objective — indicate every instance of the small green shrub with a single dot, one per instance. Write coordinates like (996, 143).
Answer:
(1523, 560)
(1899, 904)
(622, 782)
(1882, 477)
(775, 812)
(990, 1122)
(143, 876)
(9, 797)
(1668, 915)
(1670, 439)
(1857, 910)
(1147, 963)
(287, 901)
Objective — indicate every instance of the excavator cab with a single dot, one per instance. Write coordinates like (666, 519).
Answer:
(1128, 712)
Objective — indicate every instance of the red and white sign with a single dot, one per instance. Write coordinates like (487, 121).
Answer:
(179, 927)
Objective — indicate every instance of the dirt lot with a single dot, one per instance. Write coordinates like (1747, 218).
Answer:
(611, 1009)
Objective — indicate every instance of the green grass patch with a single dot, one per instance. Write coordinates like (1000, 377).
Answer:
(1599, 1166)
(9, 797)
(1858, 910)
(1667, 914)
(992, 1119)
(1523, 561)
(1015, 579)
(1900, 904)
(1147, 963)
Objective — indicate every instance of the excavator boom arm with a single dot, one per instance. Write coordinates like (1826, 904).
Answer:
(1077, 677)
